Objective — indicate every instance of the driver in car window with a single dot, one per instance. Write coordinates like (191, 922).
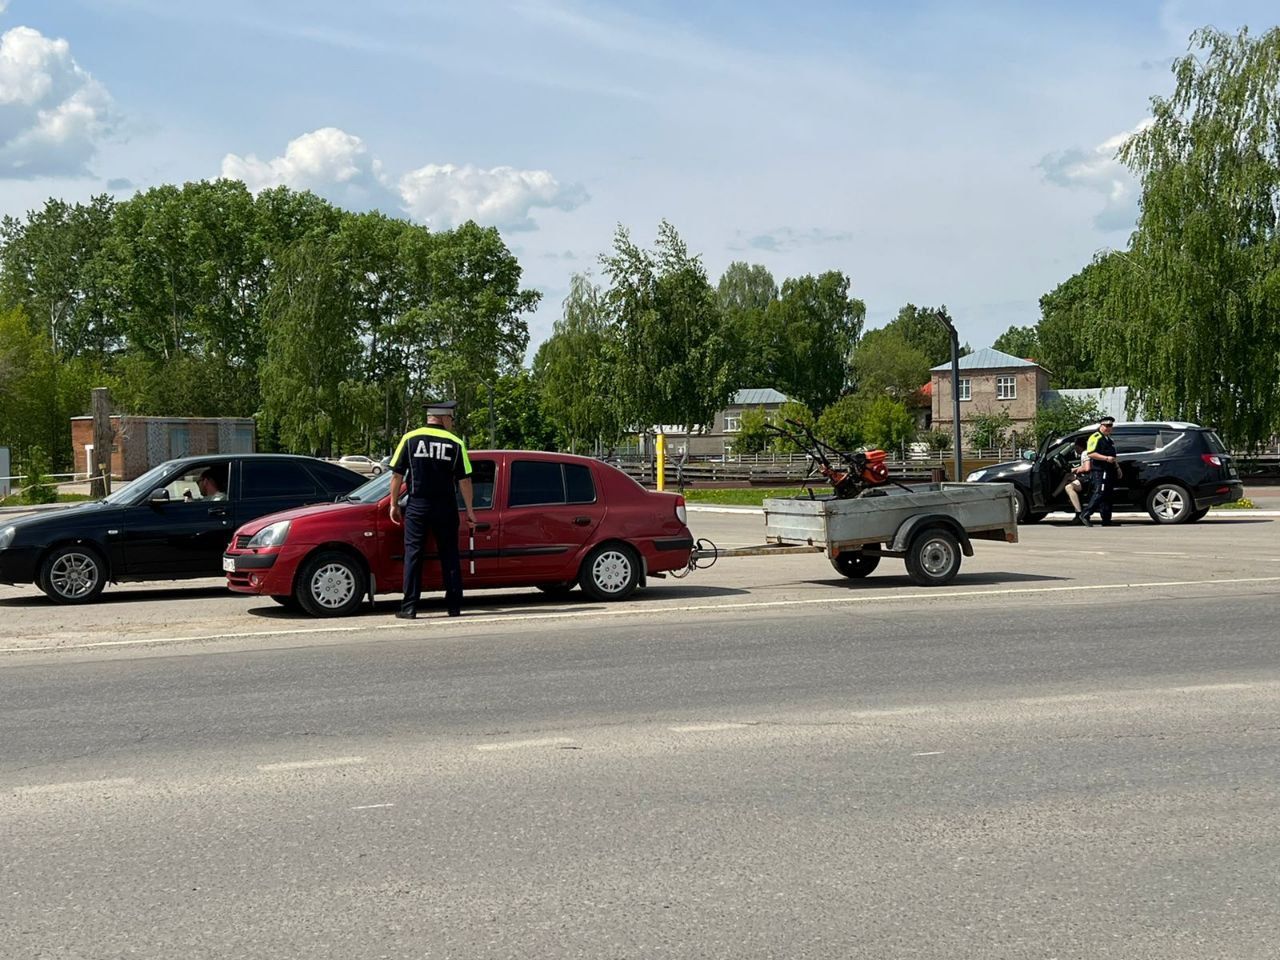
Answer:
(210, 487)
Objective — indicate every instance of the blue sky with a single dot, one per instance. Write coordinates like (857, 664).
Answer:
(935, 152)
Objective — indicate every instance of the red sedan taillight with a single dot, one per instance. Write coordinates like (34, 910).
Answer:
(681, 513)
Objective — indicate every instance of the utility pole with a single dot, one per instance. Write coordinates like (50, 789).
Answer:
(100, 469)
(493, 433)
(955, 389)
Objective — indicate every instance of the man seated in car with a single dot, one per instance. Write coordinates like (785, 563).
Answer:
(210, 486)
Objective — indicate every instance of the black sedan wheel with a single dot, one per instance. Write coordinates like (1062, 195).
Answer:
(331, 584)
(610, 572)
(73, 574)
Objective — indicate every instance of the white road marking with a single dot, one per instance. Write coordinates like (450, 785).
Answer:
(628, 610)
(311, 764)
(1212, 688)
(707, 727)
(373, 806)
(1063, 698)
(1157, 553)
(931, 753)
(76, 785)
(522, 744)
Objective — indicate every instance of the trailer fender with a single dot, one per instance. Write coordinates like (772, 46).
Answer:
(913, 525)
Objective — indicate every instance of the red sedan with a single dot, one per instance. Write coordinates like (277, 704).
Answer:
(546, 520)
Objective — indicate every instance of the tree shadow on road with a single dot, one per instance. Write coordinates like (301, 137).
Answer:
(109, 596)
(961, 580)
(488, 604)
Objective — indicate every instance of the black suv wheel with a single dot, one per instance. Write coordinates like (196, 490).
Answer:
(1170, 503)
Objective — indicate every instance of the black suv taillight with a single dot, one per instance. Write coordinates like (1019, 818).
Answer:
(1212, 459)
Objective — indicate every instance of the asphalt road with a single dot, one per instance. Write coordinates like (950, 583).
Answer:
(1072, 753)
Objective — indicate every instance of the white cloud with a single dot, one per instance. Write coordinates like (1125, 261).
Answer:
(53, 114)
(1099, 171)
(445, 195)
(338, 165)
(328, 161)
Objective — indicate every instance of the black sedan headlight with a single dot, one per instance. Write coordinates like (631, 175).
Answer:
(6, 536)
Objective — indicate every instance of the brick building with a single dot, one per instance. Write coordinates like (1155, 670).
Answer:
(990, 381)
(144, 442)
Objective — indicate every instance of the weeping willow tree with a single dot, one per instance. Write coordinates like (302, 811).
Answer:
(1195, 308)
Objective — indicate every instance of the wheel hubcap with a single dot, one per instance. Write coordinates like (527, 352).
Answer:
(936, 557)
(74, 574)
(1169, 503)
(611, 571)
(333, 585)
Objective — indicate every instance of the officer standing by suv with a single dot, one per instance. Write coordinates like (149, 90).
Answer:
(430, 461)
(1101, 451)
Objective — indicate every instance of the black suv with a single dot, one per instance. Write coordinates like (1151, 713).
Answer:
(1174, 471)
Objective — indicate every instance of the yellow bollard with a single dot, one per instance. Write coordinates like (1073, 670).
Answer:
(660, 445)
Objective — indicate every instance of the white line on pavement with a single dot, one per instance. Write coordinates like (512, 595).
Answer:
(931, 753)
(373, 806)
(75, 785)
(522, 744)
(310, 764)
(633, 611)
(707, 727)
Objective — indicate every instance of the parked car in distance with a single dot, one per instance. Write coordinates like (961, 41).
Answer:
(1174, 471)
(165, 525)
(546, 520)
(365, 466)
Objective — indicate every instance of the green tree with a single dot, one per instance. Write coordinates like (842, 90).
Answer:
(798, 412)
(841, 423)
(30, 414)
(1070, 316)
(1021, 342)
(885, 364)
(1195, 317)
(573, 371)
(745, 294)
(1064, 415)
(819, 324)
(989, 430)
(920, 327)
(673, 361)
(312, 351)
(887, 424)
(754, 435)
(518, 418)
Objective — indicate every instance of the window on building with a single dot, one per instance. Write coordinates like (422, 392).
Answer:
(1006, 388)
(732, 421)
(964, 389)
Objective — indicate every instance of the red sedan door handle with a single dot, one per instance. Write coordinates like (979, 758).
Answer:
(582, 521)
(481, 527)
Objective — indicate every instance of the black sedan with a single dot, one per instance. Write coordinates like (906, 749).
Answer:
(173, 522)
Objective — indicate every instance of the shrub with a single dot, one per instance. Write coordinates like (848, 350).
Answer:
(37, 487)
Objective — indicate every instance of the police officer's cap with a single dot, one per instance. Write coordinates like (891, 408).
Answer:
(1107, 421)
(441, 408)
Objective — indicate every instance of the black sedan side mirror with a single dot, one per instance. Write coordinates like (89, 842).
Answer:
(159, 495)
(1028, 454)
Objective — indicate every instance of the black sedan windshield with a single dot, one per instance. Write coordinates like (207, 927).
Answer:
(373, 491)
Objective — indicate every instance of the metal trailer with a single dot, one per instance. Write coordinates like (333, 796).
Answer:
(930, 526)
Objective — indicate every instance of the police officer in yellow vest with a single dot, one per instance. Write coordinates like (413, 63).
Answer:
(1104, 468)
(429, 462)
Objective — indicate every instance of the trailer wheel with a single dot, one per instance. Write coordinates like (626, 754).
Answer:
(933, 558)
(855, 565)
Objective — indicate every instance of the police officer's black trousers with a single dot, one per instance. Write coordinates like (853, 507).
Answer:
(1103, 483)
(419, 519)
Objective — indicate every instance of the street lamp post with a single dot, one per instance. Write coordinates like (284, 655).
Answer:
(955, 388)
